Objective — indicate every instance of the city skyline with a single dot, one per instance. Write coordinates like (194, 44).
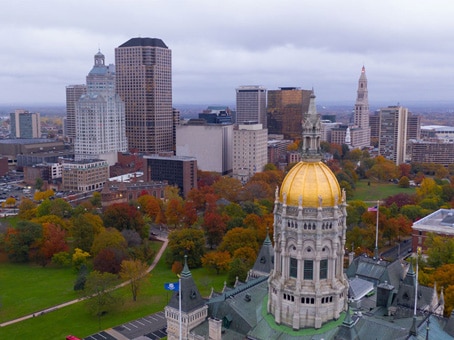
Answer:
(217, 47)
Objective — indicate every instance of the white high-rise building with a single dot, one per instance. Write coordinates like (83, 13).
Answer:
(251, 105)
(361, 137)
(212, 147)
(250, 150)
(100, 116)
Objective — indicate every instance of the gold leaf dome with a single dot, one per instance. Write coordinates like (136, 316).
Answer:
(310, 180)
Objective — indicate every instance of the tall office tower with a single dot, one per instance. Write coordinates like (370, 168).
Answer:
(413, 126)
(25, 124)
(251, 105)
(250, 150)
(144, 82)
(393, 133)
(100, 116)
(73, 93)
(285, 107)
(361, 116)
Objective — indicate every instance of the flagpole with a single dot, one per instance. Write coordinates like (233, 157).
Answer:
(376, 231)
(179, 303)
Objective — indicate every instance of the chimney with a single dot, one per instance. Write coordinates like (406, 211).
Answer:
(214, 329)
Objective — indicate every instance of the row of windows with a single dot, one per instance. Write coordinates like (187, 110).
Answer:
(307, 300)
(309, 226)
(308, 269)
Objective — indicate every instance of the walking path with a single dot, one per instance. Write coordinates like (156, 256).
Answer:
(54, 308)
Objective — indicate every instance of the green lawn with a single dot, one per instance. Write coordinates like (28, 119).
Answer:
(378, 191)
(46, 287)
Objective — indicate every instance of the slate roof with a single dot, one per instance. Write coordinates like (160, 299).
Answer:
(190, 295)
(152, 42)
(265, 259)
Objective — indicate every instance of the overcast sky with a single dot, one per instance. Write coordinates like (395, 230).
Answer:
(407, 46)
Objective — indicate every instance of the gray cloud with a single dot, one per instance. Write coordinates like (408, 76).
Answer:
(218, 45)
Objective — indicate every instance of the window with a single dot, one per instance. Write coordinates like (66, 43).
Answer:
(308, 269)
(323, 269)
(293, 267)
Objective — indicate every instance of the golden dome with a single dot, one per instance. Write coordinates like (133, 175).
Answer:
(310, 180)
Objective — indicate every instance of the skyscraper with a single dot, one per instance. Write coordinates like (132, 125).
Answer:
(361, 116)
(285, 107)
(393, 133)
(144, 82)
(100, 116)
(73, 93)
(25, 124)
(251, 105)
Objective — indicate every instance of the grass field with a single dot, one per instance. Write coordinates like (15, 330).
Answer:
(25, 289)
(378, 191)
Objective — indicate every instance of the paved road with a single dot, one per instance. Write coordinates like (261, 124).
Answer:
(150, 327)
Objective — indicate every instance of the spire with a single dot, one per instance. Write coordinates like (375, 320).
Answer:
(190, 295)
(311, 132)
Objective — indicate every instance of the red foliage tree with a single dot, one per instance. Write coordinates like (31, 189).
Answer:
(214, 225)
(54, 241)
(108, 260)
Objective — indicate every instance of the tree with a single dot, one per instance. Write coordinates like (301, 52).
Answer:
(134, 271)
(215, 228)
(404, 182)
(58, 207)
(99, 288)
(54, 241)
(79, 258)
(246, 254)
(228, 188)
(237, 238)
(383, 169)
(124, 216)
(96, 199)
(85, 227)
(43, 195)
(355, 210)
(150, 206)
(81, 278)
(189, 214)
(238, 269)
(187, 241)
(440, 250)
(174, 212)
(62, 259)
(39, 183)
(217, 260)
(23, 241)
(27, 209)
(109, 260)
(108, 238)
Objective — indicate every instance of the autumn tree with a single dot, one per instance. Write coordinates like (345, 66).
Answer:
(43, 195)
(134, 271)
(150, 206)
(53, 242)
(246, 254)
(174, 212)
(125, 216)
(237, 238)
(27, 209)
(189, 214)
(85, 228)
(79, 258)
(217, 260)
(108, 238)
(214, 226)
(228, 188)
(109, 260)
(187, 241)
(383, 169)
(22, 241)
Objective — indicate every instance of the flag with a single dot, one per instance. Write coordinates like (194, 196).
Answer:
(372, 209)
(175, 286)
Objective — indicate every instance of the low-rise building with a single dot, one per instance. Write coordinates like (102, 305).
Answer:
(84, 175)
